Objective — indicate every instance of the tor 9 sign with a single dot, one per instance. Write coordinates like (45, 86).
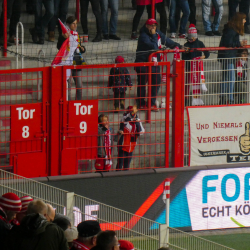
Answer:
(83, 118)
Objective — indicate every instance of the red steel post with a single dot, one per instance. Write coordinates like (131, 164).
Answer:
(167, 115)
(153, 9)
(5, 28)
(55, 136)
(78, 10)
(178, 114)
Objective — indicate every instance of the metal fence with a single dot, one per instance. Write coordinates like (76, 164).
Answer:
(226, 81)
(179, 240)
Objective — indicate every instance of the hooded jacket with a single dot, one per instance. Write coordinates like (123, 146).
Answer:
(230, 38)
(148, 42)
(5, 226)
(36, 233)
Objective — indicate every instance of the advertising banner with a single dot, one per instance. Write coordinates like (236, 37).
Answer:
(219, 135)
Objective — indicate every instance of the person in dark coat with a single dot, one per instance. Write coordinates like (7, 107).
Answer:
(10, 205)
(150, 40)
(107, 240)
(119, 79)
(35, 232)
(230, 38)
(192, 43)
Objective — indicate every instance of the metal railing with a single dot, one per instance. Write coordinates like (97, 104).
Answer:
(186, 241)
(22, 44)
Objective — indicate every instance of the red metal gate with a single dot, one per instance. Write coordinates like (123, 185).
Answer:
(24, 121)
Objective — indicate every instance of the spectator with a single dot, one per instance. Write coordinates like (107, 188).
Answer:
(10, 205)
(160, 7)
(126, 245)
(130, 129)
(41, 21)
(50, 216)
(243, 7)
(25, 200)
(60, 11)
(241, 76)
(110, 32)
(13, 13)
(35, 232)
(230, 38)
(119, 78)
(106, 240)
(212, 29)
(87, 235)
(63, 223)
(150, 40)
(192, 15)
(184, 6)
(75, 57)
(192, 43)
(30, 7)
(70, 233)
(105, 144)
(95, 4)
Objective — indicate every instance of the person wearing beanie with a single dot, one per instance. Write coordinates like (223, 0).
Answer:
(87, 235)
(10, 205)
(119, 79)
(192, 43)
(25, 200)
(126, 245)
(151, 39)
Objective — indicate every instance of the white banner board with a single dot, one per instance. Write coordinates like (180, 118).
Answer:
(219, 199)
(219, 135)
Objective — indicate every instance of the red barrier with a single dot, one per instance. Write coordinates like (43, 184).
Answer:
(78, 10)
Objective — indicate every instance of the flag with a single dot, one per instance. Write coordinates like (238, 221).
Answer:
(63, 27)
(62, 54)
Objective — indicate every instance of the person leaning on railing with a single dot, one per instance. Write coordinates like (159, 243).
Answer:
(230, 38)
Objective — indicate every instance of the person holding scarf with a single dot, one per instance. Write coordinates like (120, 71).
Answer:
(194, 67)
(105, 144)
(130, 129)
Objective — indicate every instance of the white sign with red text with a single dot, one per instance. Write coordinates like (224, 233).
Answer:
(219, 135)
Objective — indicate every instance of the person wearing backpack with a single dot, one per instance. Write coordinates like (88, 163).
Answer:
(119, 78)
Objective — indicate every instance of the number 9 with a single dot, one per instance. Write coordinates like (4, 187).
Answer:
(83, 127)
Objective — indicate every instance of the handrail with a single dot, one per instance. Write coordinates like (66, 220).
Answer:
(17, 44)
(41, 52)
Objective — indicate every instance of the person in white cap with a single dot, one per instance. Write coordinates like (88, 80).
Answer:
(10, 205)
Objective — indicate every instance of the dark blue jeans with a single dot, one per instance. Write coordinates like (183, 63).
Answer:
(243, 7)
(142, 79)
(184, 6)
(60, 11)
(124, 159)
(42, 21)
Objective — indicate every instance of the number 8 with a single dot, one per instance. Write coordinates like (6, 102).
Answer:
(83, 127)
(25, 133)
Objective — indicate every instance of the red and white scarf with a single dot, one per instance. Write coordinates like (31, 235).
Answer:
(154, 58)
(107, 144)
(79, 245)
(197, 75)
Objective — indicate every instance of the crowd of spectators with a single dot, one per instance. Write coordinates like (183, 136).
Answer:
(54, 9)
(32, 224)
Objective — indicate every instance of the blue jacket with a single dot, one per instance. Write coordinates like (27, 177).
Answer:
(149, 43)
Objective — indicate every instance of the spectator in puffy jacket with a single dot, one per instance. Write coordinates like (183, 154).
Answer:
(230, 38)
(151, 39)
(140, 6)
(119, 78)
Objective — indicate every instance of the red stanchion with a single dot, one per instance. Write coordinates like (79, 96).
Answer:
(153, 9)
(78, 10)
